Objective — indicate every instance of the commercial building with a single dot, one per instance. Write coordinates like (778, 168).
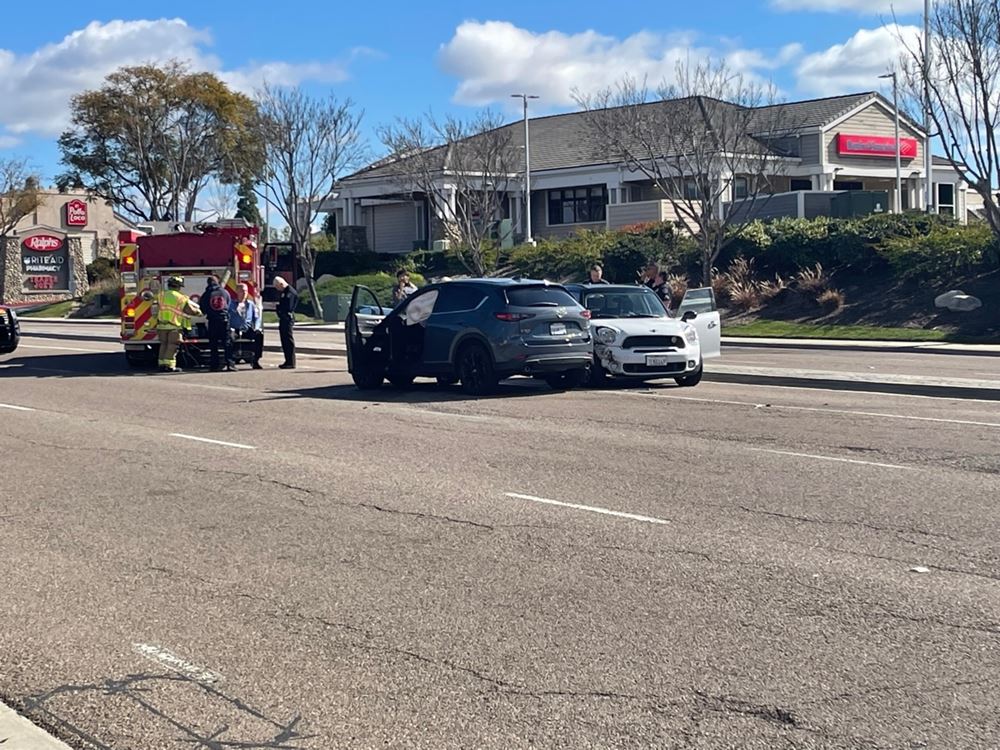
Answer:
(838, 144)
(46, 255)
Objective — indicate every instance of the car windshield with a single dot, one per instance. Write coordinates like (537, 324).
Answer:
(640, 302)
(539, 296)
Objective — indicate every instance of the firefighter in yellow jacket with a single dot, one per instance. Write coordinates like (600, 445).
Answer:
(174, 311)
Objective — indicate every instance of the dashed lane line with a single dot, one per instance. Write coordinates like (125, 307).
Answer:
(835, 458)
(213, 442)
(587, 508)
(15, 407)
(172, 661)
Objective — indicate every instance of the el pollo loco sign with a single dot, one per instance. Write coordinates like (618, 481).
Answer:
(44, 263)
(76, 213)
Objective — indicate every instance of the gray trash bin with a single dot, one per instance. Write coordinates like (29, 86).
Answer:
(335, 307)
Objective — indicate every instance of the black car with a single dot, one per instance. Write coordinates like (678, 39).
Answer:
(10, 330)
(477, 331)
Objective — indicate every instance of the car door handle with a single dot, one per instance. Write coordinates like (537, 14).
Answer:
(711, 325)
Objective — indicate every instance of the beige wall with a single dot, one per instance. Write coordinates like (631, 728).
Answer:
(872, 120)
(102, 224)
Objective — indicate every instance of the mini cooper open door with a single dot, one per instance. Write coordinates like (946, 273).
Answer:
(365, 313)
(698, 308)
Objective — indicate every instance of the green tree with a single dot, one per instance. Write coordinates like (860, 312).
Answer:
(246, 205)
(151, 138)
(330, 225)
(19, 193)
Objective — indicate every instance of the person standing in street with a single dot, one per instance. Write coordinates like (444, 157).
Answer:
(173, 315)
(215, 303)
(288, 300)
(597, 274)
(244, 321)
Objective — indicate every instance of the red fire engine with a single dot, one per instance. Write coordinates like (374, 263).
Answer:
(227, 249)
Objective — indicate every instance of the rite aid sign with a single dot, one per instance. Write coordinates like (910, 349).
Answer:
(44, 264)
(875, 145)
(76, 213)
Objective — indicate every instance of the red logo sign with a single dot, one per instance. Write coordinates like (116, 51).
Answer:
(875, 145)
(76, 213)
(42, 243)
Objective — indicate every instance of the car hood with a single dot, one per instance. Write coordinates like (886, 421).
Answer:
(642, 326)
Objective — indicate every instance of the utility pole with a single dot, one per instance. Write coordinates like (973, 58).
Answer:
(528, 239)
(898, 202)
(928, 160)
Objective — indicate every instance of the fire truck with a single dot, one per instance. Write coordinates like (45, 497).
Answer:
(227, 249)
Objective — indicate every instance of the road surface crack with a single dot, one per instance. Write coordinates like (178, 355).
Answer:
(835, 522)
(416, 514)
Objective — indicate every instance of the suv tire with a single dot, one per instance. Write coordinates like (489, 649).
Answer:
(563, 381)
(474, 366)
(367, 380)
(401, 380)
(691, 379)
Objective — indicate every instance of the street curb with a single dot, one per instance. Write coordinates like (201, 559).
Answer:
(903, 347)
(18, 733)
(865, 386)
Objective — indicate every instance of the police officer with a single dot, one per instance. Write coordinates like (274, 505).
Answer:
(215, 303)
(288, 300)
(173, 315)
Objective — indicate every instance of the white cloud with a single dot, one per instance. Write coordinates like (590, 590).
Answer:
(861, 7)
(856, 64)
(494, 59)
(36, 87)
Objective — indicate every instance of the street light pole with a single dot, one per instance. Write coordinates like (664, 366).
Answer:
(528, 239)
(928, 159)
(898, 202)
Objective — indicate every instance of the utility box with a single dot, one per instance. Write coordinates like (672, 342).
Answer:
(335, 307)
(851, 203)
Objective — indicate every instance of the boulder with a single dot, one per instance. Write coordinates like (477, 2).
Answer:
(325, 278)
(957, 301)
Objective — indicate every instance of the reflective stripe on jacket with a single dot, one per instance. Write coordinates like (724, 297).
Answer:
(172, 312)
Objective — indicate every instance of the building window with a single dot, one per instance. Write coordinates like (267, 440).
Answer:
(848, 185)
(691, 191)
(741, 188)
(946, 198)
(578, 205)
(800, 184)
(421, 221)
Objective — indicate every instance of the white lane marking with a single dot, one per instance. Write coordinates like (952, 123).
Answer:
(200, 385)
(15, 407)
(588, 508)
(172, 661)
(852, 412)
(64, 348)
(835, 458)
(859, 392)
(214, 442)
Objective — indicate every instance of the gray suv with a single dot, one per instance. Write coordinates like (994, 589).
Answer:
(475, 331)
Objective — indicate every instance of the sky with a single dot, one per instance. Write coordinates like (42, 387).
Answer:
(396, 58)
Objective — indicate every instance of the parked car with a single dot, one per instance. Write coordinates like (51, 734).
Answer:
(473, 331)
(10, 330)
(635, 337)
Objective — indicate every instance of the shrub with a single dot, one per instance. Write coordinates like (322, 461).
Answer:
(102, 269)
(380, 283)
(678, 284)
(945, 252)
(743, 295)
(812, 280)
(771, 289)
(831, 299)
(561, 258)
(338, 263)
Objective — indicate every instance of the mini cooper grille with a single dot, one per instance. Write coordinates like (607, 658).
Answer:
(645, 342)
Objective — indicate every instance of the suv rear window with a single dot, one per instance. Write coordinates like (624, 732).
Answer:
(540, 296)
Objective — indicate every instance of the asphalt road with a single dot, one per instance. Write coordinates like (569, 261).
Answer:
(729, 566)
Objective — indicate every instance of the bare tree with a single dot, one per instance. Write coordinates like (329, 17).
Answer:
(464, 170)
(19, 193)
(694, 140)
(221, 200)
(960, 75)
(306, 143)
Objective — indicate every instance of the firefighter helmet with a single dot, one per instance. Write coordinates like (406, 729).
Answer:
(175, 282)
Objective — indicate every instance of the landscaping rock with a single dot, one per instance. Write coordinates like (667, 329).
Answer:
(957, 301)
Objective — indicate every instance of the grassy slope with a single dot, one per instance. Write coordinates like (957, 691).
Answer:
(789, 329)
(55, 310)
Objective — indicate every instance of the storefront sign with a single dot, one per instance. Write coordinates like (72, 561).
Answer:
(44, 264)
(76, 213)
(875, 145)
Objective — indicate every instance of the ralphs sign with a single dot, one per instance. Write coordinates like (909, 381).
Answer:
(42, 243)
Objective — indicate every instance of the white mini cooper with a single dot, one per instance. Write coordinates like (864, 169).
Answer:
(635, 337)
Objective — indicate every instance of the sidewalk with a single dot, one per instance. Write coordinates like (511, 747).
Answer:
(908, 347)
(17, 733)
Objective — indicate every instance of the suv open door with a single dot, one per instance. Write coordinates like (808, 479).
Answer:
(698, 308)
(364, 315)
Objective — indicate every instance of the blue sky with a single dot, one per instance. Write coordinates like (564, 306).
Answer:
(403, 58)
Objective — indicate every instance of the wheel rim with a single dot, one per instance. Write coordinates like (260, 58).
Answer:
(473, 368)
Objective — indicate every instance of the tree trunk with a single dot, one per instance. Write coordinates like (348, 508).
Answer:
(307, 258)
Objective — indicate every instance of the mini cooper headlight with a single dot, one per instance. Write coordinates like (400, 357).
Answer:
(691, 334)
(605, 335)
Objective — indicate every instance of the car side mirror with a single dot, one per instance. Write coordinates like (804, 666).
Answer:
(689, 316)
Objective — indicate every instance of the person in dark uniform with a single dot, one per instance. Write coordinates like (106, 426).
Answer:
(597, 274)
(288, 300)
(663, 289)
(215, 304)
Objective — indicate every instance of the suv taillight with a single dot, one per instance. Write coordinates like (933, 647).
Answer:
(585, 313)
(509, 317)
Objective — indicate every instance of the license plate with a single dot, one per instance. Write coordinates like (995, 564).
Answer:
(557, 329)
(657, 361)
